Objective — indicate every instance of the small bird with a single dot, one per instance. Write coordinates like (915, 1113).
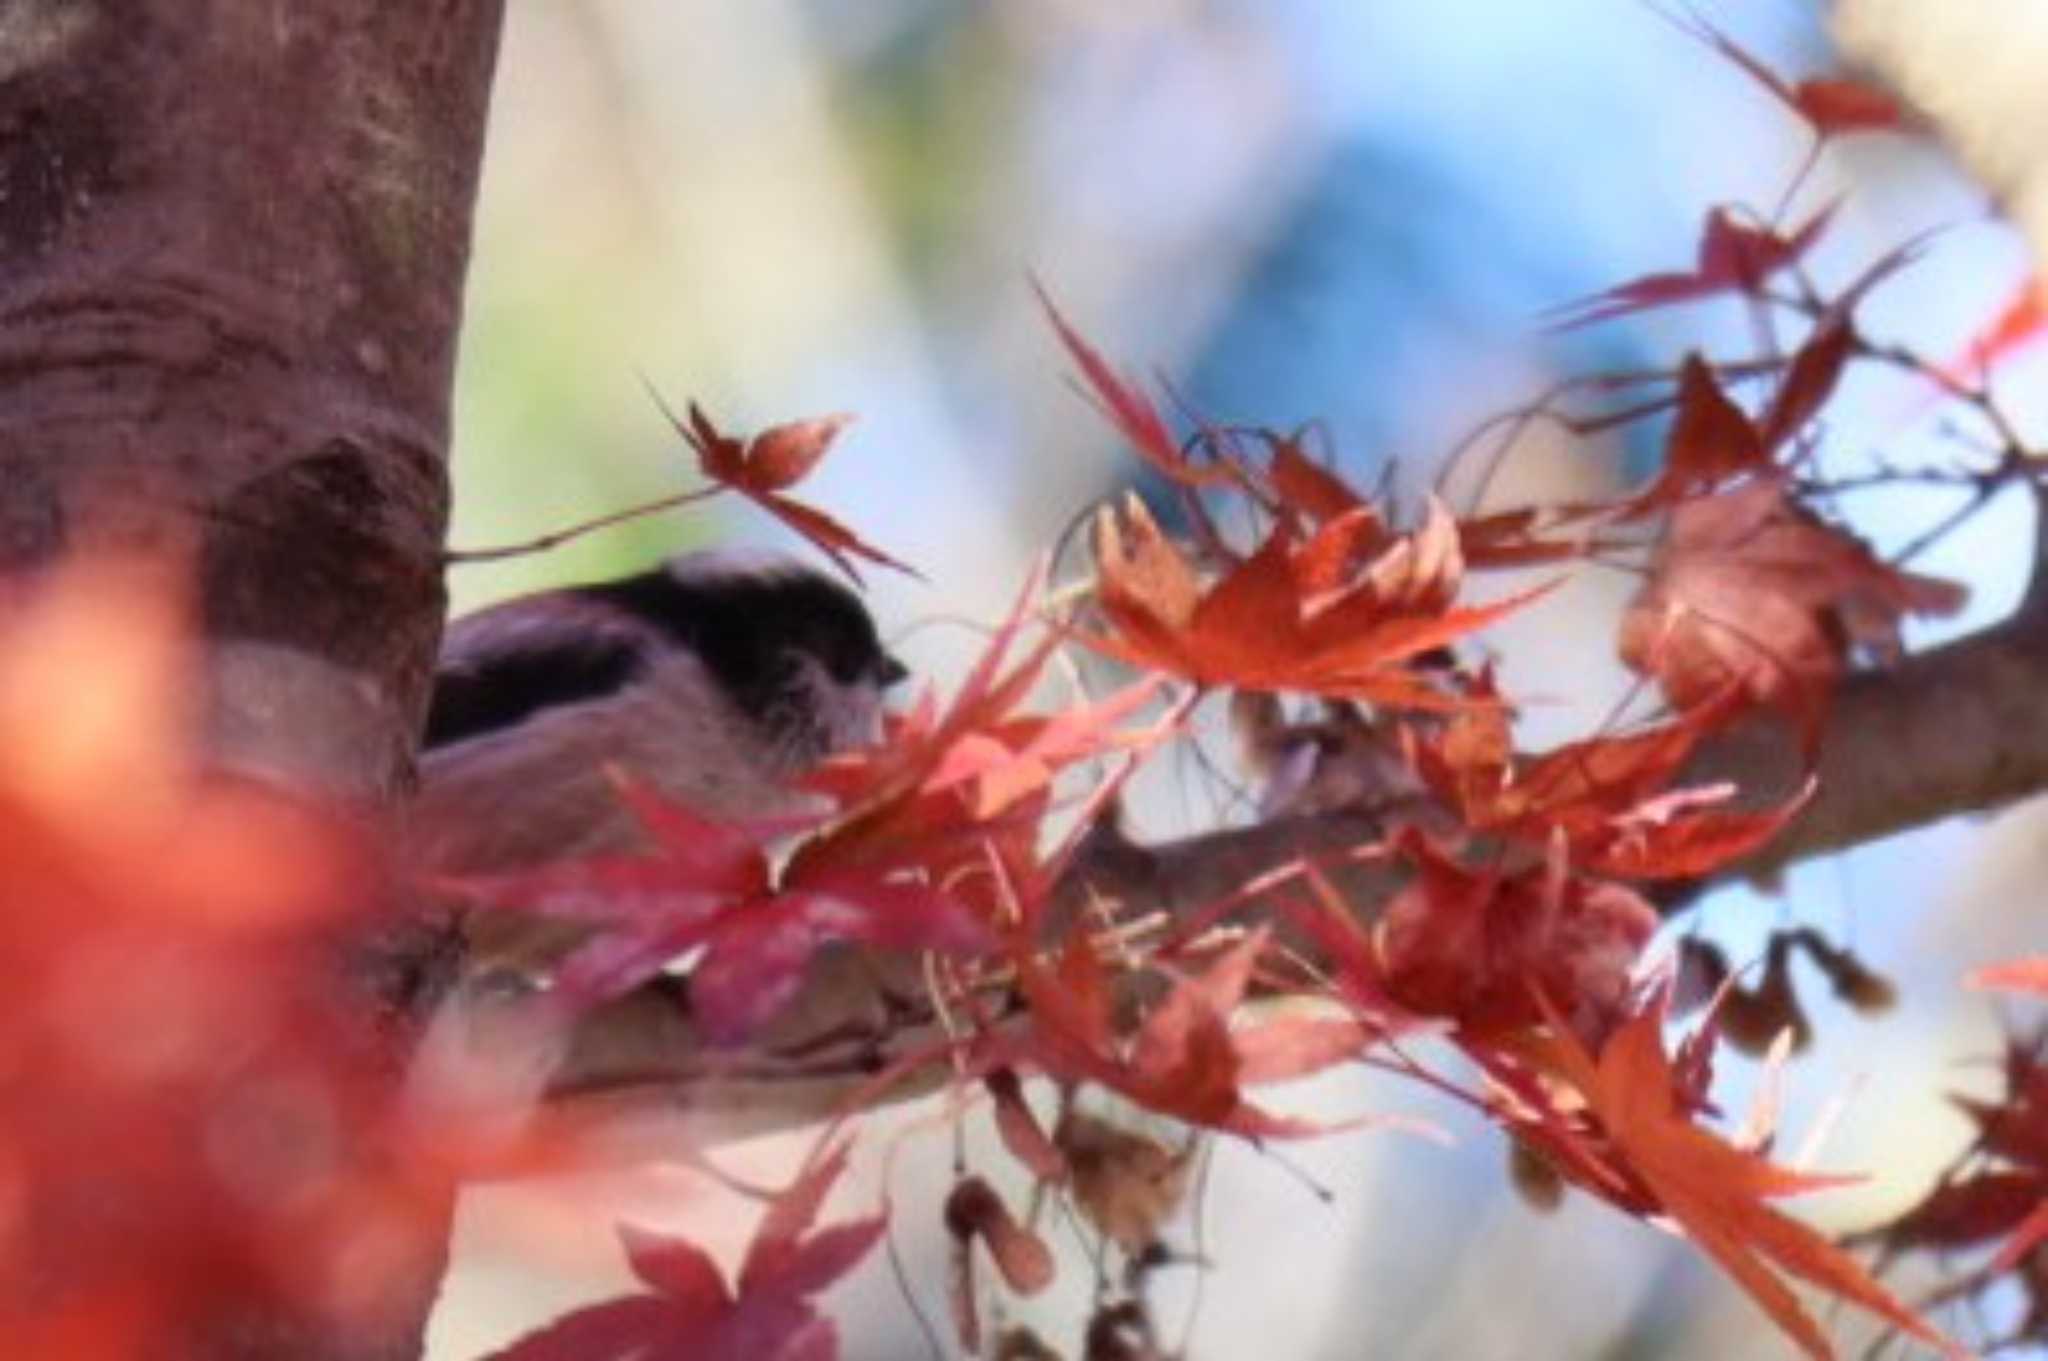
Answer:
(716, 677)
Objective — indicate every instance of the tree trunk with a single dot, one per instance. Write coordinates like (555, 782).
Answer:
(233, 236)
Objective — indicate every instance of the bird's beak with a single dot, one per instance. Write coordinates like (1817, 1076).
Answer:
(891, 672)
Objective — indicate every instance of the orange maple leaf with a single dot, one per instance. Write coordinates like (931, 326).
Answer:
(1713, 1192)
(1339, 613)
(2021, 321)
(1608, 798)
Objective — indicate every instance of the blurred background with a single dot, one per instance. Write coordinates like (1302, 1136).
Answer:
(1351, 213)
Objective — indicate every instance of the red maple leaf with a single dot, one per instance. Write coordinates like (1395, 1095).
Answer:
(1624, 1128)
(764, 467)
(1132, 412)
(709, 886)
(690, 1313)
(1606, 800)
(958, 794)
(1339, 613)
(1184, 1060)
(1733, 258)
(1831, 105)
(1749, 591)
(1306, 487)
(1711, 441)
(1475, 946)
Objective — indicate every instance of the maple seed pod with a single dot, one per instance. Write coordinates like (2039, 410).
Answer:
(1124, 1183)
(1751, 1019)
(1121, 1332)
(1870, 993)
(1021, 1344)
(1702, 969)
(1866, 990)
(974, 1210)
(1026, 1141)
(1535, 1179)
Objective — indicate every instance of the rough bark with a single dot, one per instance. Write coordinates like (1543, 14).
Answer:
(232, 246)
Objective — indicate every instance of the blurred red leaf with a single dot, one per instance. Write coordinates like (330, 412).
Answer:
(691, 1311)
(189, 1084)
(1711, 440)
(1830, 105)
(2019, 975)
(1809, 380)
(1971, 1212)
(2015, 1127)
(1733, 258)
(1749, 591)
(2019, 322)
(1305, 486)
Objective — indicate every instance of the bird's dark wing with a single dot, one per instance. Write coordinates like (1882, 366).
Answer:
(497, 669)
(503, 690)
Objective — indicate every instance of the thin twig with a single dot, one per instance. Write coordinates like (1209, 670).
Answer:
(577, 531)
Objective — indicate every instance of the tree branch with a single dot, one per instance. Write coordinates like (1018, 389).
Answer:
(1949, 731)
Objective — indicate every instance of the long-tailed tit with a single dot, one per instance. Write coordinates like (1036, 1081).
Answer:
(716, 678)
